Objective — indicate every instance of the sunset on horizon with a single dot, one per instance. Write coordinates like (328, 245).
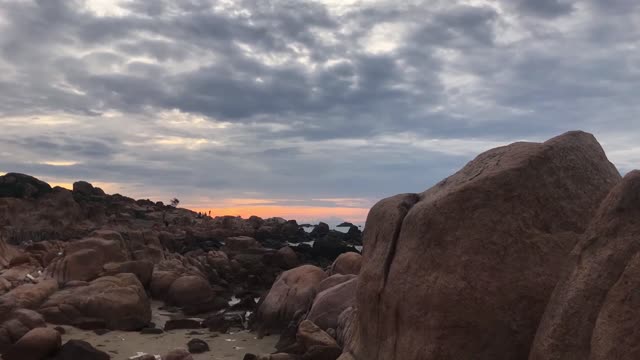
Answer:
(319, 179)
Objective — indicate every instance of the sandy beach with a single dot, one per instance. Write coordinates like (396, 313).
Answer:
(123, 345)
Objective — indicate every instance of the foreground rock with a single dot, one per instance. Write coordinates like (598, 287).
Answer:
(114, 302)
(465, 269)
(330, 303)
(77, 349)
(16, 324)
(37, 344)
(293, 292)
(594, 311)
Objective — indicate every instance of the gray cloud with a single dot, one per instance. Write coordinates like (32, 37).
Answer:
(305, 99)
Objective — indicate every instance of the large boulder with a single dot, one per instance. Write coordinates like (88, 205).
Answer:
(84, 260)
(142, 269)
(329, 304)
(347, 263)
(292, 292)
(193, 293)
(595, 309)
(465, 269)
(29, 296)
(116, 302)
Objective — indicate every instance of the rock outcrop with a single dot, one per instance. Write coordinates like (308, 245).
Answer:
(114, 302)
(464, 270)
(595, 309)
(16, 185)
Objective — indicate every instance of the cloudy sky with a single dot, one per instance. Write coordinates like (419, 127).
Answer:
(304, 109)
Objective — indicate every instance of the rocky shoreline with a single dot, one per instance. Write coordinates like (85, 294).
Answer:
(96, 263)
(528, 252)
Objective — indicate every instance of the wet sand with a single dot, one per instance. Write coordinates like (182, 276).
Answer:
(123, 345)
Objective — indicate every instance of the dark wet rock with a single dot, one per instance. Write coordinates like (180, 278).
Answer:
(151, 331)
(78, 349)
(197, 346)
(176, 324)
(320, 230)
(22, 186)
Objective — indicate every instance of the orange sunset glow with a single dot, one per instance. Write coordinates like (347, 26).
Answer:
(306, 213)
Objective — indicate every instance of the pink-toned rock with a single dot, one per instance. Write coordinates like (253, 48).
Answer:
(142, 269)
(37, 344)
(82, 265)
(330, 303)
(30, 296)
(119, 301)
(178, 354)
(16, 324)
(465, 269)
(594, 311)
(292, 292)
(347, 264)
(332, 281)
(192, 293)
(309, 335)
(84, 260)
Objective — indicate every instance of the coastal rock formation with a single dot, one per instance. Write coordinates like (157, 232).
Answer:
(292, 292)
(16, 185)
(114, 302)
(330, 303)
(595, 309)
(464, 270)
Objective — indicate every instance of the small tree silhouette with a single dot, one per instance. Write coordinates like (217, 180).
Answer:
(175, 202)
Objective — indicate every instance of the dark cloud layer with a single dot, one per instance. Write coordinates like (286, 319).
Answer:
(305, 99)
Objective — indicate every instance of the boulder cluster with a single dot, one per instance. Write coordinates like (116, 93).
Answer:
(531, 251)
(94, 261)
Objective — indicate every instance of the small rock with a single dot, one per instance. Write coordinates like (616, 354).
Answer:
(197, 346)
(151, 331)
(178, 354)
(78, 349)
(101, 332)
(60, 329)
(309, 334)
(322, 353)
(176, 324)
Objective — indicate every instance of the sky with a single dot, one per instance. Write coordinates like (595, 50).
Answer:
(304, 109)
